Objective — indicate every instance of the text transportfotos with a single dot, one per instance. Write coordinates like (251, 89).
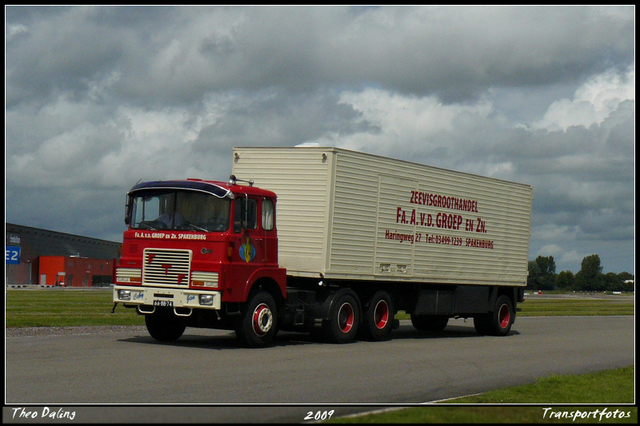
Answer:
(598, 414)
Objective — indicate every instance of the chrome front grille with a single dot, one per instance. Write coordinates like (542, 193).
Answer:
(166, 267)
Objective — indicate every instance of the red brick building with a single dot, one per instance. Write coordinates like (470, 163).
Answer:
(71, 271)
(43, 257)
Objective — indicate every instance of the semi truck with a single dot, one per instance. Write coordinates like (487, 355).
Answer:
(327, 241)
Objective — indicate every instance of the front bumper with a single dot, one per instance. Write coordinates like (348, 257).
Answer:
(167, 297)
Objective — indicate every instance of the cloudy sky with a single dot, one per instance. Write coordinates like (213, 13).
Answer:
(98, 98)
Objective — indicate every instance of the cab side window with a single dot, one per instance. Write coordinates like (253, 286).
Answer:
(268, 215)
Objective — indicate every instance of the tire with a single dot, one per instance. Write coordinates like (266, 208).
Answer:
(163, 325)
(499, 321)
(433, 323)
(377, 318)
(259, 322)
(481, 323)
(344, 319)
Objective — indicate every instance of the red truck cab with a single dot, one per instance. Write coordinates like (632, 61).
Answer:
(196, 252)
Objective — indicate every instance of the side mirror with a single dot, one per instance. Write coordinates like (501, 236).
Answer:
(127, 210)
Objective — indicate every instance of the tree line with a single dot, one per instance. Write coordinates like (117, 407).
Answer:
(542, 276)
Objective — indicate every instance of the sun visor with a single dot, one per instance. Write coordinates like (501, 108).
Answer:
(192, 185)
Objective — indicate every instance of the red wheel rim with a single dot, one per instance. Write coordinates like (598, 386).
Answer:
(381, 314)
(346, 318)
(504, 316)
(262, 319)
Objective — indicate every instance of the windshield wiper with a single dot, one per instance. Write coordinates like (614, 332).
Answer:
(196, 227)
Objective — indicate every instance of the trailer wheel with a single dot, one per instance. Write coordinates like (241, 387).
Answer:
(344, 319)
(377, 320)
(503, 316)
(499, 321)
(164, 326)
(259, 321)
(434, 323)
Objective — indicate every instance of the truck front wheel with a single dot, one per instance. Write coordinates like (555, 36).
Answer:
(259, 322)
(377, 320)
(164, 326)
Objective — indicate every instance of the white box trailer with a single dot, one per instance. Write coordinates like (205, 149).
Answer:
(348, 215)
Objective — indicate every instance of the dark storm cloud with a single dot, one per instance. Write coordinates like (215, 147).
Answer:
(454, 52)
(284, 120)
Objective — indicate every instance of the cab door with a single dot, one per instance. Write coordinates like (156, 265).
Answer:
(246, 230)
(248, 243)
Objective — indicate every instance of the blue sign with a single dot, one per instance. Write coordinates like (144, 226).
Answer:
(12, 255)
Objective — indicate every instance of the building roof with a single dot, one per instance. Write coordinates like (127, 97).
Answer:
(36, 242)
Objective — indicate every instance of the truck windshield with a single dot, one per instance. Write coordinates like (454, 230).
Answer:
(179, 209)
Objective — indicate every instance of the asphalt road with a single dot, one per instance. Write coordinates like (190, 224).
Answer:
(212, 379)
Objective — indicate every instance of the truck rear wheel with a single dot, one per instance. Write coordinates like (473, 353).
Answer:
(164, 325)
(259, 321)
(344, 319)
(499, 321)
(377, 319)
(435, 323)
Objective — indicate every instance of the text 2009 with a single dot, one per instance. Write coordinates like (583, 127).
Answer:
(319, 415)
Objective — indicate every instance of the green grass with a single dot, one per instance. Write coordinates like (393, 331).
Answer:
(610, 386)
(494, 415)
(59, 307)
(532, 306)
(612, 306)
(606, 387)
(56, 307)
